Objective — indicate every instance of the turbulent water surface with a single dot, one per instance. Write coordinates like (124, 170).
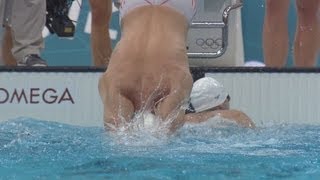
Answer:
(34, 149)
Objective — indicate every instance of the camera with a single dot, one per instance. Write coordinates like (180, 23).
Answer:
(57, 20)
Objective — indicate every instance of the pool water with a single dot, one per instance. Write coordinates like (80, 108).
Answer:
(34, 149)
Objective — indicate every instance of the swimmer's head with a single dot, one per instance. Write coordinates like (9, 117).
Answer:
(208, 94)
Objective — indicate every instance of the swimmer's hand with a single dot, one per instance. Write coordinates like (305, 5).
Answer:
(233, 115)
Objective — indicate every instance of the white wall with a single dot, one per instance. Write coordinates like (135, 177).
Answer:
(1, 59)
(273, 98)
(268, 98)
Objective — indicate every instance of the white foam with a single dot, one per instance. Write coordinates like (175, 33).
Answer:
(145, 129)
(149, 120)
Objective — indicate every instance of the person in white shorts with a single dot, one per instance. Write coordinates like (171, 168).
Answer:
(208, 99)
(101, 15)
(24, 21)
(185, 7)
(149, 69)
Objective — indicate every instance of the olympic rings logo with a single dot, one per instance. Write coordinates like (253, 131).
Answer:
(209, 43)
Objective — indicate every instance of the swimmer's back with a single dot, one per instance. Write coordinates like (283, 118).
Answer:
(150, 55)
(153, 30)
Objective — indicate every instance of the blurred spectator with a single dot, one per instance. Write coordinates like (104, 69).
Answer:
(100, 37)
(22, 36)
(275, 33)
(1, 58)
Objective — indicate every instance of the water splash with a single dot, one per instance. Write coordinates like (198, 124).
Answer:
(47, 149)
(145, 129)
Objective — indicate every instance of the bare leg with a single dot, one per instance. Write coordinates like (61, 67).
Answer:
(318, 18)
(170, 107)
(117, 108)
(169, 110)
(306, 45)
(275, 33)
(100, 37)
(318, 29)
(9, 60)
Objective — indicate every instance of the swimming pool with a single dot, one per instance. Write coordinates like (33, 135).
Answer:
(34, 149)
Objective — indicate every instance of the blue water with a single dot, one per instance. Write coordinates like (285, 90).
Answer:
(33, 149)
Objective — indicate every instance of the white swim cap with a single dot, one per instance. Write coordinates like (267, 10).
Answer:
(207, 93)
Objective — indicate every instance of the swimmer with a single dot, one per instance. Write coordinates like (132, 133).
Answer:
(149, 69)
(209, 99)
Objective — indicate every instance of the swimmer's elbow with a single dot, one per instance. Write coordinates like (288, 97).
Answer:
(199, 117)
(242, 119)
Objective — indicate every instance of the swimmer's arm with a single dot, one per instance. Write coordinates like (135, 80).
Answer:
(199, 117)
(232, 115)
